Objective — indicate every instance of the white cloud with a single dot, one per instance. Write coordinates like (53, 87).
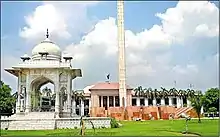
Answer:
(60, 18)
(45, 16)
(188, 18)
(148, 53)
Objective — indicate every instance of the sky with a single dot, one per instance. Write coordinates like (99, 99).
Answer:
(165, 41)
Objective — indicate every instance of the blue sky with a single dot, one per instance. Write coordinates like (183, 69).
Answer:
(196, 51)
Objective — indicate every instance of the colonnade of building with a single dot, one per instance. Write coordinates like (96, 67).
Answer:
(170, 101)
(113, 101)
(81, 107)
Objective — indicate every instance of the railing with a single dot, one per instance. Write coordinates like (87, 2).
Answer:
(211, 115)
(43, 64)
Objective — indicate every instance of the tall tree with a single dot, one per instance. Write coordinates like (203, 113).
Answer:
(197, 101)
(212, 99)
(7, 101)
(139, 91)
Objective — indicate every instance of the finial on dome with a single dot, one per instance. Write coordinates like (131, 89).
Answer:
(47, 35)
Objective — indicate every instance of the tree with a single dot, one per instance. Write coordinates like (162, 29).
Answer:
(139, 91)
(147, 92)
(212, 99)
(212, 109)
(7, 101)
(197, 101)
(78, 95)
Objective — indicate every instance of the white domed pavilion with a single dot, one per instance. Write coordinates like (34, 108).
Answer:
(44, 66)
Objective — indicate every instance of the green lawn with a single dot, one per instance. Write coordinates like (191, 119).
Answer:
(138, 128)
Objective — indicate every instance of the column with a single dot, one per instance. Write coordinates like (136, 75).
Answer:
(90, 106)
(138, 101)
(28, 102)
(188, 103)
(107, 101)
(178, 102)
(82, 108)
(181, 102)
(57, 101)
(74, 106)
(114, 101)
(90, 102)
(28, 96)
(170, 101)
(40, 101)
(154, 102)
(101, 101)
(162, 101)
(69, 94)
(146, 101)
(22, 105)
(18, 101)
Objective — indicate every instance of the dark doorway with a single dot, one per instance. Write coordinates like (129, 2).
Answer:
(158, 101)
(134, 102)
(142, 102)
(166, 100)
(150, 102)
(86, 103)
(100, 101)
(111, 104)
(105, 102)
(174, 101)
(78, 106)
(184, 102)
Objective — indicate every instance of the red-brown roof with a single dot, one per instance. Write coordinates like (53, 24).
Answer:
(107, 85)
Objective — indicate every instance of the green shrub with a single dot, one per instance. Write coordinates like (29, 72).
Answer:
(114, 123)
(213, 109)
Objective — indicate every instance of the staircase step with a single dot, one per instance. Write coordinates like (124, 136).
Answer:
(182, 110)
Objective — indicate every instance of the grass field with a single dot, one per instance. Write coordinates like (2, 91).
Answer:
(137, 128)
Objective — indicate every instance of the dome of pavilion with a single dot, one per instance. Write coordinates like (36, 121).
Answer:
(53, 51)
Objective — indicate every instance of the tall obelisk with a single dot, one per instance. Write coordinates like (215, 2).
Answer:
(121, 54)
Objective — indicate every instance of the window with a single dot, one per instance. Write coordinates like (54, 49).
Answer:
(142, 102)
(134, 102)
(117, 103)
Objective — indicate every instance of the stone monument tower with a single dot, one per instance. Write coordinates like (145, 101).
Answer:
(121, 54)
